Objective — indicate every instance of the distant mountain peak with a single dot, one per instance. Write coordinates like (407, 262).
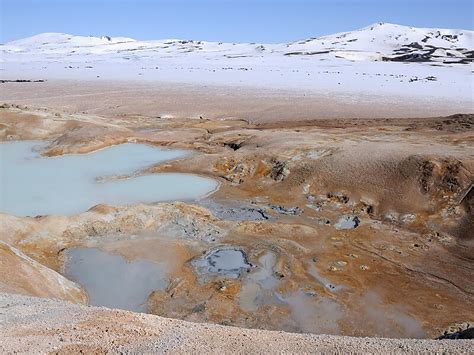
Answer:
(381, 41)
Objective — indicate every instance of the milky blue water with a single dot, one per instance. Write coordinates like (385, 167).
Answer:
(111, 281)
(33, 185)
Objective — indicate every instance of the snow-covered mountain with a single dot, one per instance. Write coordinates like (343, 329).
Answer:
(381, 41)
(384, 41)
(372, 59)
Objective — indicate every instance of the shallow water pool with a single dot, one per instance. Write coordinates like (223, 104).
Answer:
(33, 185)
(112, 281)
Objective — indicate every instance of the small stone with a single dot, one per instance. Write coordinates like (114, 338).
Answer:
(408, 218)
(391, 217)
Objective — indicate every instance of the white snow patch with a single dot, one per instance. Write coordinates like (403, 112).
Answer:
(381, 59)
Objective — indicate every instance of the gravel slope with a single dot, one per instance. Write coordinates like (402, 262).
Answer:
(38, 325)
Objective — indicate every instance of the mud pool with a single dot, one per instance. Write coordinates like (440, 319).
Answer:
(226, 261)
(33, 185)
(112, 281)
(347, 222)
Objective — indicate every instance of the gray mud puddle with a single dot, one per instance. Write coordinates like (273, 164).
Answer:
(112, 281)
(348, 222)
(237, 211)
(33, 185)
(228, 262)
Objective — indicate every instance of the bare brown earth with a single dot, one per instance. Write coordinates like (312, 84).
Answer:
(23, 275)
(406, 271)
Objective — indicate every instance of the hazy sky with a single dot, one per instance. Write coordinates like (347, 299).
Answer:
(223, 20)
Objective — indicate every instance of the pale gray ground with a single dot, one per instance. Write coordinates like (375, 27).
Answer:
(157, 99)
(33, 325)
